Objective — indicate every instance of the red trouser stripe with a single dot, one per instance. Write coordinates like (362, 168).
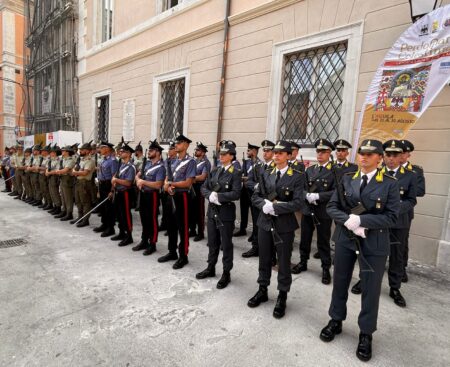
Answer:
(154, 217)
(127, 211)
(186, 223)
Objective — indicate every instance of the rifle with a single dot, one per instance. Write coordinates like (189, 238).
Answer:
(169, 181)
(116, 175)
(144, 162)
(311, 189)
(244, 166)
(214, 207)
(277, 240)
(357, 210)
(77, 164)
(214, 159)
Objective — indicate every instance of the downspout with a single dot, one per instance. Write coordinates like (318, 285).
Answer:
(224, 70)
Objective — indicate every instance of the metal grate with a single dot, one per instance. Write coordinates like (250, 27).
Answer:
(13, 243)
(102, 118)
(172, 109)
(312, 94)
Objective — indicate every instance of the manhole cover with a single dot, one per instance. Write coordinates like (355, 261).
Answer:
(13, 243)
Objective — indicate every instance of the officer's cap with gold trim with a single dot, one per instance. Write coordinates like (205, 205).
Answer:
(283, 146)
(409, 147)
(201, 146)
(228, 146)
(342, 144)
(323, 144)
(393, 146)
(371, 146)
(267, 145)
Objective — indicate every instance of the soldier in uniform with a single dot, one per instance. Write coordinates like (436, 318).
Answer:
(149, 181)
(377, 197)
(43, 179)
(53, 179)
(320, 186)
(179, 180)
(106, 171)
(12, 171)
(296, 164)
(122, 184)
(34, 175)
(409, 148)
(27, 176)
(167, 215)
(6, 167)
(222, 187)
(83, 186)
(95, 156)
(197, 220)
(66, 183)
(19, 172)
(279, 194)
(246, 194)
(342, 165)
(137, 161)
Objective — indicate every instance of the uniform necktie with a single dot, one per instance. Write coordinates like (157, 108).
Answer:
(392, 173)
(278, 177)
(364, 183)
(340, 165)
(265, 166)
(320, 168)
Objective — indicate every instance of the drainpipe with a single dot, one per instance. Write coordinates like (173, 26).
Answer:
(224, 70)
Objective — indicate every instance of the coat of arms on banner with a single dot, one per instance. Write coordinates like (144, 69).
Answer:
(402, 90)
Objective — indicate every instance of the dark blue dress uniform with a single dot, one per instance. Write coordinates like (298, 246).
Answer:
(122, 202)
(226, 182)
(106, 172)
(149, 205)
(167, 215)
(182, 169)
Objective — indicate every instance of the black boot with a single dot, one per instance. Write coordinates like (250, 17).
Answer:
(119, 237)
(108, 232)
(280, 307)
(259, 297)
(100, 229)
(356, 289)
(253, 252)
(126, 241)
(68, 216)
(364, 350)
(140, 246)
(199, 237)
(83, 223)
(180, 263)
(326, 276)
(397, 297)
(167, 257)
(151, 248)
(333, 328)
(209, 272)
(73, 221)
(57, 211)
(316, 255)
(61, 214)
(192, 233)
(301, 266)
(240, 233)
(41, 206)
(37, 203)
(224, 280)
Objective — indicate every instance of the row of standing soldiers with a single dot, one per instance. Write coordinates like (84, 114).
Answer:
(372, 206)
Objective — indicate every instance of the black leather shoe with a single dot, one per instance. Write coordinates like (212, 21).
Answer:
(301, 266)
(192, 234)
(168, 257)
(37, 203)
(209, 272)
(119, 237)
(17, 198)
(316, 255)
(364, 350)
(224, 280)
(397, 297)
(405, 277)
(47, 207)
(41, 206)
(199, 237)
(333, 328)
(60, 215)
(108, 232)
(150, 249)
(52, 211)
(100, 229)
(180, 263)
(326, 276)
(280, 306)
(253, 252)
(140, 246)
(240, 233)
(68, 217)
(83, 223)
(73, 221)
(258, 298)
(126, 241)
(356, 289)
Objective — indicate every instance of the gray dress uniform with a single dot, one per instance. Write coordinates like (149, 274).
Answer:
(381, 200)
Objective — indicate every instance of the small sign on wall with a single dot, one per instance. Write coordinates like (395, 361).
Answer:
(129, 116)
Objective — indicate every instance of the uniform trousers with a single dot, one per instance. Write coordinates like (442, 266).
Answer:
(323, 239)
(148, 211)
(178, 224)
(220, 237)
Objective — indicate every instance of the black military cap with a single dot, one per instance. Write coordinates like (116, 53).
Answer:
(201, 146)
(228, 147)
(68, 148)
(393, 146)
(251, 146)
(125, 147)
(294, 144)
(56, 149)
(283, 146)
(323, 144)
(155, 145)
(93, 146)
(227, 142)
(371, 146)
(138, 148)
(86, 146)
(267, 145)
(181, 139)
(75, 146)
(409, 147)
(28, 150)
(47, 148)
(171, 145)
(106, 144)
(342, 144)
(37, 147)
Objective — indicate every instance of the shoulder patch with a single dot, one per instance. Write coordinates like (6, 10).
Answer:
(329, 165)
(290, 171)
(231, 169)
(355, 175)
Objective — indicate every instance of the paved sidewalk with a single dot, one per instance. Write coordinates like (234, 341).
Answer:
(70, 298)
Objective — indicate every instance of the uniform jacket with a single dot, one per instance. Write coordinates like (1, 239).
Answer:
(381, 198)
(320, 180)
(346, 167)
(258, 170)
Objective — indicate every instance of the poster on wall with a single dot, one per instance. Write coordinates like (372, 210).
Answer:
(409, 78)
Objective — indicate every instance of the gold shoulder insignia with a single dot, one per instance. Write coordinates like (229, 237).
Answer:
(409, 166)
(402, 169)
(290, 171)
(356, 175)
(329, 166)
(273, 171)
(231, 169)
(379, 176)
(346, 164)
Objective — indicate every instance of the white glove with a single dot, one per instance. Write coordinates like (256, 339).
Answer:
(268, 208)
(214, 198)
(360, 231)
(312, 197)
(353, 222)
